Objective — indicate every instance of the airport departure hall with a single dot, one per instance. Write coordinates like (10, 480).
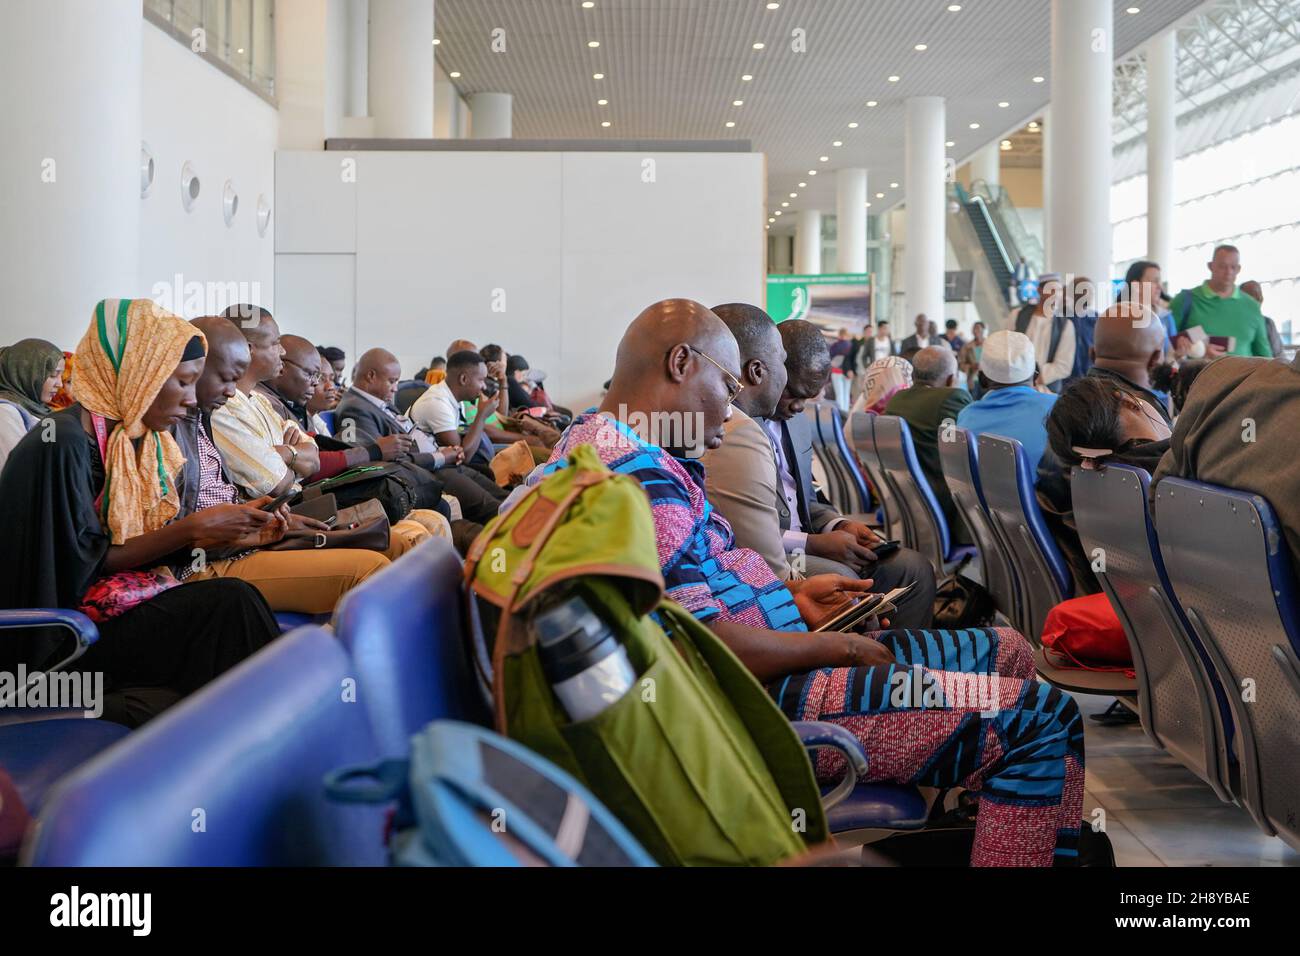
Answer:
(442, 437)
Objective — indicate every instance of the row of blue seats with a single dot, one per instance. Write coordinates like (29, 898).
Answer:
(233, 774)
(1209, 605)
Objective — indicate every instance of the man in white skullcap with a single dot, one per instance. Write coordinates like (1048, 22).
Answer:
(1010, 406)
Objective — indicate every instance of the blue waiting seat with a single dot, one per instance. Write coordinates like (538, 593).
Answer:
(846, 488)
(960, 462)
(1181, 700)
(1228, 563)
(1045, 581)
(406, 629)
(230, 776)
(861, 433)
(897, 455)
(329, 419)
(39, 745)
(414, 645)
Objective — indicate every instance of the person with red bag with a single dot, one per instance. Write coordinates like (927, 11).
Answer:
(88, 505)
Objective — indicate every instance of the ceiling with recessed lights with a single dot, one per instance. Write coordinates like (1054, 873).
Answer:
(674, 69)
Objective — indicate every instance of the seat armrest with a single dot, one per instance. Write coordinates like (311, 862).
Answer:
(816, 734)
(84, 633)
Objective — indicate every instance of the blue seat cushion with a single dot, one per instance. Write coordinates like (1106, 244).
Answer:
(37, 753)
(885, 806)
(288, 620)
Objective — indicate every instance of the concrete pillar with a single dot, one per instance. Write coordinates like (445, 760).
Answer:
(491, 113)
(926, 242)
(1162, 137)
(851, 218)
(987, 165)
(808, 243)
(1083, 65)
(401, 68)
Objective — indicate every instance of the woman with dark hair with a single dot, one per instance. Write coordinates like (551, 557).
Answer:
(31, 373)
(1094, 423)
(90, 516)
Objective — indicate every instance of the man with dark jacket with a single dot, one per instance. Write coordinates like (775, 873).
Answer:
(366, 413)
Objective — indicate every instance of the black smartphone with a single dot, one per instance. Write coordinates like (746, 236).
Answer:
(885, 548)
(490, 388)
(275, 504)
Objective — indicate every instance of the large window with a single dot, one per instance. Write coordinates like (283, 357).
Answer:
(238, 35)
(1244, 191)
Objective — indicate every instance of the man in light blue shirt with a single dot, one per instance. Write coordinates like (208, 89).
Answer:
(1010, 406)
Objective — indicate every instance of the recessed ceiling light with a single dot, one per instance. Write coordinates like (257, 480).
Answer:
(770, 219)
(950, 144)
(454, 74)
(1006, 147)
(803, 185)
(730, 124)
(794, 195)
(893, 185)
(974, 125)
(853, 126)
(593, 43)
(920, 48)
(1133, 10)
(872, 103)
(602, 102)
(759, 46)
(892, 79)
(777, 213)
(838, 143)
(588, 4)
(785, 205)
(867, 204)
(812, 172)
(240, 50)
(954, 8)
(824, 159)
(737, 102)
(1039, 79)
(773, 6)
(436, 41)
(1003, 105)
(746, 78)
(1006, 142)
(880, 195)
(606, 123)
(598, 76)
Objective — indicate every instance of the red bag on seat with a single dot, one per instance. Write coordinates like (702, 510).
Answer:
(1083, 633)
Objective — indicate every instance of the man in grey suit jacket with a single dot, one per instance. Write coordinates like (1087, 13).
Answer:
(772, 511)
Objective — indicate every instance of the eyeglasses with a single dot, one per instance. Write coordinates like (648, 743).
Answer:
(734, 385)
(312, 377)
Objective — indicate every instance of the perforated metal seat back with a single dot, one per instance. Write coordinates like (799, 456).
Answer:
(898, 458)
(1178, 694)
(862, 436)
(1013, 510)
(1228, 563)
(847, 491)
(959, 472)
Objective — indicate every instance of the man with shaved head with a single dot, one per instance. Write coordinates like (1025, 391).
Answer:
(1020, 743)
(366, 414)
(300, 376)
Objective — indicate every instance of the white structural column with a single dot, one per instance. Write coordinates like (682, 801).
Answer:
(808, 243)
(490, 115)
(851, 220)
(356, 100)
(987, 165)
(401, 68)
(1083, 64)
(70, 169)
(926, 241)
(1162, 130)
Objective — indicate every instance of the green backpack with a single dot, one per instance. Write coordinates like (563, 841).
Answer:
(696, 759)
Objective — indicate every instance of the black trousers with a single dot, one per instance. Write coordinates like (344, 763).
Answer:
(479, 495)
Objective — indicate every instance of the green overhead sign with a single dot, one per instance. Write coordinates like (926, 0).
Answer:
(843, 298)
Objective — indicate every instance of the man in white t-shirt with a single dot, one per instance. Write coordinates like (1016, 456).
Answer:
(438, 410)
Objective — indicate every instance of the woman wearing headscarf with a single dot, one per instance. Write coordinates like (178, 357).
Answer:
(884, 377)
(88, 514)
(31, 372)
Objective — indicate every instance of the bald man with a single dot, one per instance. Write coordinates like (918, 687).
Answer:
(366, 414)
(300, 376)
(1019, 742)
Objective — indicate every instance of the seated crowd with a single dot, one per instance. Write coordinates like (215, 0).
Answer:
(157, 499)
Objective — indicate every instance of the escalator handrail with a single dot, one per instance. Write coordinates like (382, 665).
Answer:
(978, 202)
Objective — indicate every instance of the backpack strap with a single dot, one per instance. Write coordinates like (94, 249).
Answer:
(1023, 317)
